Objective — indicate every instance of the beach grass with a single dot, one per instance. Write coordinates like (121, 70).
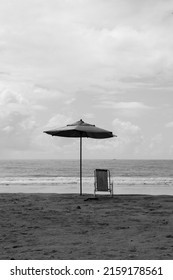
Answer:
(69, 226)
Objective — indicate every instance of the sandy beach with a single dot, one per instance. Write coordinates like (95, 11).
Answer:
(69, 226)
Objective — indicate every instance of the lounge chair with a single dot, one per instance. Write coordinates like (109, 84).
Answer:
(102, 181)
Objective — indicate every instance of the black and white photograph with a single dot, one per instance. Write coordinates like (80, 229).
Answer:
(86, 130)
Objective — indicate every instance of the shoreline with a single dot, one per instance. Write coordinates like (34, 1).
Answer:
(87, 189)
(70, 226)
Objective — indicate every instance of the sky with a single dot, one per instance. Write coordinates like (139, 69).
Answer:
(108, 62)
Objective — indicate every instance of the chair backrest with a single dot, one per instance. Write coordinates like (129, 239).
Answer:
(102, 178)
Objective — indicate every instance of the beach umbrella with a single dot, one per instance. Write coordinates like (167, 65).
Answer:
(80, 129)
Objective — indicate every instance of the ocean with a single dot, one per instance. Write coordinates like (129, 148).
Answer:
(62, 176)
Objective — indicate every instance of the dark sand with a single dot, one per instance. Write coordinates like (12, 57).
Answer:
(52, 226)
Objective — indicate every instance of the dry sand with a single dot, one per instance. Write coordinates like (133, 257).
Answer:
(52, 226)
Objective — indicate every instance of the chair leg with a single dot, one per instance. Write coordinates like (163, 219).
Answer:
(112, 189)
(94, 190)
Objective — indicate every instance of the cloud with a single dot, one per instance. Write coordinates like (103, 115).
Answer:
(124, 39)
(13, 102)
(126, 109)
(17, 121)
(89, 115)
(128, 144)
(169, 125)
(129, 138)
(61, 60)
(70, 101)
(158, 147)
(123, 105)
(156, 140)
(41, 92)
(125, 128)
(59, 120)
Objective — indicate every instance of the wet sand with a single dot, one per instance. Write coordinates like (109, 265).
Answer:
(69, 226)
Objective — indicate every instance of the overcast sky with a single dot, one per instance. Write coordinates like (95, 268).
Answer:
(109, 62)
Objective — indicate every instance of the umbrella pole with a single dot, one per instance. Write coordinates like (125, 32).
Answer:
(81, 165)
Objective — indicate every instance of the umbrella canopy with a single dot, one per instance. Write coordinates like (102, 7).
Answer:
(81, 129)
